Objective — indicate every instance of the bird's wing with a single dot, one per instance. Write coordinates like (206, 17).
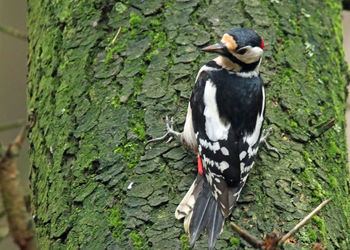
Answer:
(227, 140)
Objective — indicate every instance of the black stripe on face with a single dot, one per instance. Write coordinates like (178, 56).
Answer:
(213, 64)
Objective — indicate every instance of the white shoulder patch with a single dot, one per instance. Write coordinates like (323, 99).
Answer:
(214, 127)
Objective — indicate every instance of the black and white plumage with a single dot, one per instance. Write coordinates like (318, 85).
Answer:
(223, 125)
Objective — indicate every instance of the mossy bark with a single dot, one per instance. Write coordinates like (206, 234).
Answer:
(95, 186)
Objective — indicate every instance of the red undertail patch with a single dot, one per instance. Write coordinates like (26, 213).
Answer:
(200, 166)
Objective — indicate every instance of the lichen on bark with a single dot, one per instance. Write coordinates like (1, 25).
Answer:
(96, 102)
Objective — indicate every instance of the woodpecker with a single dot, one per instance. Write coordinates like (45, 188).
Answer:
(224, 127)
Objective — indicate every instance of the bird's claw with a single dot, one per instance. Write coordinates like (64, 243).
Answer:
(170, 126)
(265, 134)
(263, 138)
(170, 132)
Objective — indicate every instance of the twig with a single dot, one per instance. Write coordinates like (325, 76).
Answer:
(116, 36)
(13, 200)
(13, 124)
(13, 32)
(302, 222)
(273, 241)
(17, 143)
(252, 240)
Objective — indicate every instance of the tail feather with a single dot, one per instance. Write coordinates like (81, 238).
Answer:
(212, 221)
(185, 208)
(201, 211)
(215, 225)
(199, 218)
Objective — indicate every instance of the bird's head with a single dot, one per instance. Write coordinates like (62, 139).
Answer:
(241, 47)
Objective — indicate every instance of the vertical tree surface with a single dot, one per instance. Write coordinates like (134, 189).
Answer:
(98, 99)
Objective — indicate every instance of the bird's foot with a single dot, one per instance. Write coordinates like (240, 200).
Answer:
(170, 127)
(170, 132)
(263, 138)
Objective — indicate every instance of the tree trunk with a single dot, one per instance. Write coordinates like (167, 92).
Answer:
(98, 97)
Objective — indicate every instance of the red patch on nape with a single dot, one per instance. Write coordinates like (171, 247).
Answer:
(262, 45)
(200, 166)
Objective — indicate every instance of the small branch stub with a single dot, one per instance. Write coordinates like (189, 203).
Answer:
(13, 32)
(11, 125)
(252, 240)
(12, 198)
(116, 36)
(302, 222)
(272, 241)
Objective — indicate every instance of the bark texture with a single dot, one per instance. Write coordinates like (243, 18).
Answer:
(96, 102)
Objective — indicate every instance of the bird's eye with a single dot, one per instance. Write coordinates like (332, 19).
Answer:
(242, 51)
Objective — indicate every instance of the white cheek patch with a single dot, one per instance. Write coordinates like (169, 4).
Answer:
(252, 55)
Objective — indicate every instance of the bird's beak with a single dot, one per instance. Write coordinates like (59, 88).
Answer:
(215, 48)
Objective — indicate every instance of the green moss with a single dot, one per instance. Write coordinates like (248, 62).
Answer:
(333, 149)
(112, 49)
(235, 241)
(110, 54)
(293, 124)
(318, 192)
(116, 222)
(287, 72)
(130, 153)
(138, 124)
(185, 239)
(135, 20)
(332, 181)
(306, 156)
(116, 101)
(312, 235)
(137, 240)
(159, 40)
(120, 7)
(149, 55)
(156, 22)
(169, 4)
(320, 224)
